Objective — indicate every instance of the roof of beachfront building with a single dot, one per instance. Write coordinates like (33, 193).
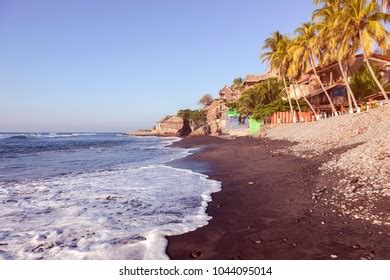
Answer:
(374, 56)
(226, 90)
(258, 78)
(252, 79)
(385, 60)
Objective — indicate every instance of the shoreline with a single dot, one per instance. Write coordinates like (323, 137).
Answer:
(265, 209)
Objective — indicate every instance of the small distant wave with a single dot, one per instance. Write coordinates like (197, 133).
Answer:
(58, 135)
(17, 136)
(20, 137)
(28, 136)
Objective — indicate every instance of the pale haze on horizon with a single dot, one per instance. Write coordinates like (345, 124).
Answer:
(115, 66)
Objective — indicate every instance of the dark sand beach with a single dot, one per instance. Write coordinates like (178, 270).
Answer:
(266, 208)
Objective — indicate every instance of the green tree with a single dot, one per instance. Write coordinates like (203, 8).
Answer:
(238, 81)
(197, 117)
(295, 68)
(328, 20)
(305, 50)
(259, 96)
(363, 83)
(274, 56)
(363, 24)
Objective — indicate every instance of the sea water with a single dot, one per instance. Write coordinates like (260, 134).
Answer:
(95, 196)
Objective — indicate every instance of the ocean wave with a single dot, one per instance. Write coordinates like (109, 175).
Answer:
(58, 135)
(117, 214)
(27, 136)
(119, 204)
(17, 136)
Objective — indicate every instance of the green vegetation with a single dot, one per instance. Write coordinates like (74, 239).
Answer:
(197, 117)
(238, 81)
(258, 96)
(278, 105)
(337, 31)
(263, 100)
(363, 83)
(340, 29)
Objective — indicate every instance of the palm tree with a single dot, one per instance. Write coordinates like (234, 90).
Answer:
(295, 67)
(271, 45)
(327, 20)
(273, 57)
(305, 51)
(363, 24)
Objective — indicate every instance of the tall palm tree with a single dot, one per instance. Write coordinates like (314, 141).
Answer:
(271, 45)
(295, 68)
(273, 57)
(306, 50)
(329, 39)
(363, 24)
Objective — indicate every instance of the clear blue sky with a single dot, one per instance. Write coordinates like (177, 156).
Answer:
(118, 65)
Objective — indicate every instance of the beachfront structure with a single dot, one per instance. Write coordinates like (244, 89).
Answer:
(229, 94)
(332, 79)
(251, 80)
(229, 120)
(232, 94)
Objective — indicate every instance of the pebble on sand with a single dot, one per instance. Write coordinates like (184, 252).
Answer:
(196, 254)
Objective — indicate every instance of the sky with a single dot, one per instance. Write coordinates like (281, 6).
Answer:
(120, 65)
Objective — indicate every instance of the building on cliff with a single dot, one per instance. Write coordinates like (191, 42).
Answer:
(229, 119)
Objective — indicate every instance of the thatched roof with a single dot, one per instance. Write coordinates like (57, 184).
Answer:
(258, 78)
(225, 90)
(375, 57)
(252, 79)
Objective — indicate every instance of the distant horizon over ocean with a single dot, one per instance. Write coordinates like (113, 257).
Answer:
(73, 195)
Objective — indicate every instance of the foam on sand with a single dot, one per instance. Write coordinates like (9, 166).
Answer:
(116, 214)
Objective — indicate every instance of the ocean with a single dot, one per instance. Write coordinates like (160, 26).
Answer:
(95, 196)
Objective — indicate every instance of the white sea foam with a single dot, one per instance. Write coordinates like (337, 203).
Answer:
(43, 135)
(120, 212)
(59, 135)
(117, 214)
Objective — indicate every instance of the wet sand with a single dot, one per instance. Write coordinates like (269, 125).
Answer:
(265, 209)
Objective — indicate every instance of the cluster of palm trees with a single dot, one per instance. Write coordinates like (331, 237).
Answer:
(337, 31)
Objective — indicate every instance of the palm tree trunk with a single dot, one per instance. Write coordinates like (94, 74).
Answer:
(311, 107)
(349, 102)
(350, 94)
(374, 76)
(322, 85)
(299, 106)
(289, 100)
